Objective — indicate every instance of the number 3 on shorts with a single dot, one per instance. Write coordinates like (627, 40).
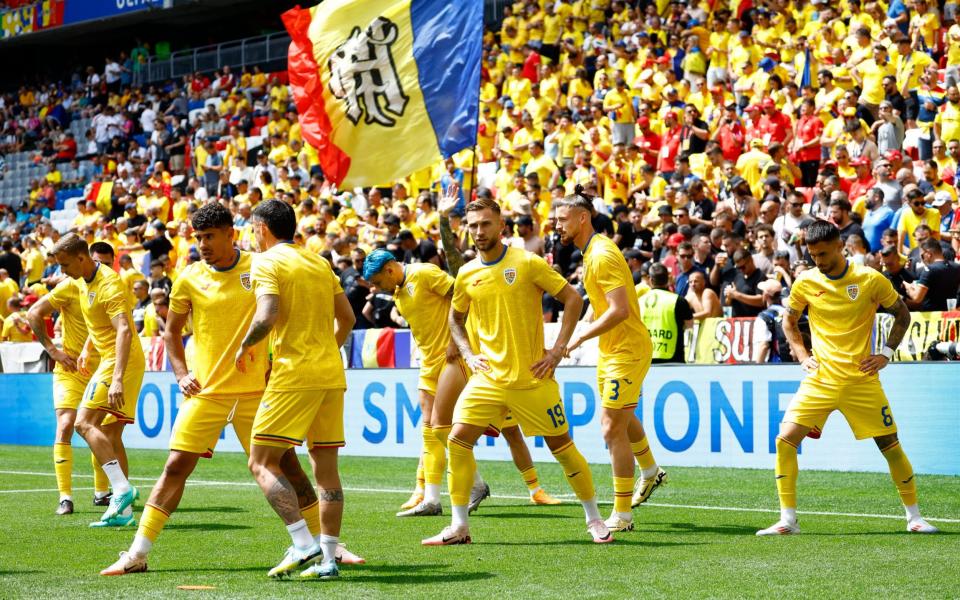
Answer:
(615, 392)
(556, 415)
(887, 417)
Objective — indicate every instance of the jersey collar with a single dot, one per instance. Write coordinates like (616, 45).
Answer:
(587, 245)
(493, 262)
(236, 260)
(846, 268)
(96, 269)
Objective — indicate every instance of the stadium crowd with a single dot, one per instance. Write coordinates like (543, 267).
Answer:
(710, 138)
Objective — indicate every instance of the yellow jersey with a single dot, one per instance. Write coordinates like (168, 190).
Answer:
(505, 297)
(841, 312)
(423, 298)
(102, 299)
(604, 270)
(223, 304)
(65, 298)
(305, 353)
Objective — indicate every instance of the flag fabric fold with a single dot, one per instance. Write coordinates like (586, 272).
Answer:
(385, 87)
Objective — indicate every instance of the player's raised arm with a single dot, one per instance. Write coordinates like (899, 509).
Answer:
(448, 240)
(35, 316)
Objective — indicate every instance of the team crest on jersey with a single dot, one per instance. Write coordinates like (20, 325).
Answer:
(410, 289)
(245, 281)
(853, 291)
(510, 275)
(90, 297)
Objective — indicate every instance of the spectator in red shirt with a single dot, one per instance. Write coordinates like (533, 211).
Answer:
(669, 145)
(865, 181)
(730, 134)
(806, 144)
(67, 148)
(751, 126)
(647, 141)
(531, 64)
(774, 126)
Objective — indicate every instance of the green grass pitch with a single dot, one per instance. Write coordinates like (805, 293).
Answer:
(695, 540)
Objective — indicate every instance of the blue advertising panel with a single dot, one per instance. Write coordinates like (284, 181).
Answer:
(76, 11)
(726, 416)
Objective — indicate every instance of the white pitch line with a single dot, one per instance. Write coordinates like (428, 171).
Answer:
(201, 482)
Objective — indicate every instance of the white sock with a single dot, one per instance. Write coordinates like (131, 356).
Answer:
(649, 473)
(118, 482)
(477, 479)
(141, 545)
(532, 492)
(66, 497)
(431, 492)
(329, 545)
(627, 516)
(913, 512)
(99, 495)
(590, 509)
(460, 515)
(300, 534)
(788, 514)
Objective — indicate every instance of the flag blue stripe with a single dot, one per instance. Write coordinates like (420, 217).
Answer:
(447, 44)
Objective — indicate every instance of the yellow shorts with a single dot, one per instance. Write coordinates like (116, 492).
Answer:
(430, 374)
(621, 389)
(95, 397)
(68, 389)
(538, 410)
(288, 418)
(201, 420)
(864, 405)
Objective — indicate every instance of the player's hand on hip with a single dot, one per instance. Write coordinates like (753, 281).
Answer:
(543, 368)
(873, 363)
(478, 363)
(115, 394)
(243, 355)
(189, 385)
(810, 365)
(65, 360)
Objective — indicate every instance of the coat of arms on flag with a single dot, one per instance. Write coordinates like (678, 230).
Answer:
(853, 291)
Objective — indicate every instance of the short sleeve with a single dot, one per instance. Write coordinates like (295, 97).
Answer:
(610, 273)
(337, 288)
(797, 300)
(180, 295)
(461, 301)
(265, 277)
(544, 276)
(113, 297)
(884, 293)
(60, 296)
(439, 281)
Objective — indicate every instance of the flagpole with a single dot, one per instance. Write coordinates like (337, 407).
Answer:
(476, 139)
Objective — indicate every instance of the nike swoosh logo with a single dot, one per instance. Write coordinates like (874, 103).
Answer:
(628, 382)
(908, 480)
(573, 474)
(63, 460)
(820, 293)
(449, 539)
(129, 568)
(779, 476)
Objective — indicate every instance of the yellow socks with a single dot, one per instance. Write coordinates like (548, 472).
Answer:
(151, 524)
(786, 473)
(531, 478)
(901, 472)
(442, 432)
(311, 514)
(420, 480)
(577, 470)
(462, 467)
(643, 454)
(622, 493)
(101, 483)
(434, 456)
(63, 467)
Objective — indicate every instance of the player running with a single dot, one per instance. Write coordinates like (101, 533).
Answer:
(841, 298)
(625, 354)
(503, 288)
(300, 300)
(110, 399)
(422, 293)
(69, 382)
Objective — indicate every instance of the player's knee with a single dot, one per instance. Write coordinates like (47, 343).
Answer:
(556, 442)
(885, 441)
(512, 435)
(179, 466)
(785, 445)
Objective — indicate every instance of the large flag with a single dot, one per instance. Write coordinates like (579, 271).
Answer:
(385, 87)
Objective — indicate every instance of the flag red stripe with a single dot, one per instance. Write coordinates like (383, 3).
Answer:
(307, 91)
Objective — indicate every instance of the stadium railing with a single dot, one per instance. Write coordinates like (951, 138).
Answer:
(268, 51)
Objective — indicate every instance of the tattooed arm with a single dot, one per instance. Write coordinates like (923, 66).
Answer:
(791, 330)
(901, 321)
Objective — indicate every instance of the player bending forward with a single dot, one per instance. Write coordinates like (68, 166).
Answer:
(300, 300)
(842, 299)
(625, 355)
(502, 289)
(110, 398)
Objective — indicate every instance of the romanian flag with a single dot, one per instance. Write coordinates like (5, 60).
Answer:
(101, 192)
(385, 87)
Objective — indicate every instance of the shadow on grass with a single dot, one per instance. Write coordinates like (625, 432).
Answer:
(522, 515)
(24, 572)
(352, 577)
(211, 509)
(694, 528)
(259, 568)
(897, 532)
(620, 541)
(207, 527)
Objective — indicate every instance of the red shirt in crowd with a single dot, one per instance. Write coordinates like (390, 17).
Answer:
(669, 149)
(69, 149)
(861, 187)
(649, 144)
(809, 128)
(774, 128)
(730, 136)
(531, 67)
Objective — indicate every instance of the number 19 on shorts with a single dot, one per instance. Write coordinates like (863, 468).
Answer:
(556, 415)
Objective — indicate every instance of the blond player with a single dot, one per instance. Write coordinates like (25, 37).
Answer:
(299, 300)
(110, 399)
(503, 288)
(841, 298)
(625, 354)
(69, 382)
